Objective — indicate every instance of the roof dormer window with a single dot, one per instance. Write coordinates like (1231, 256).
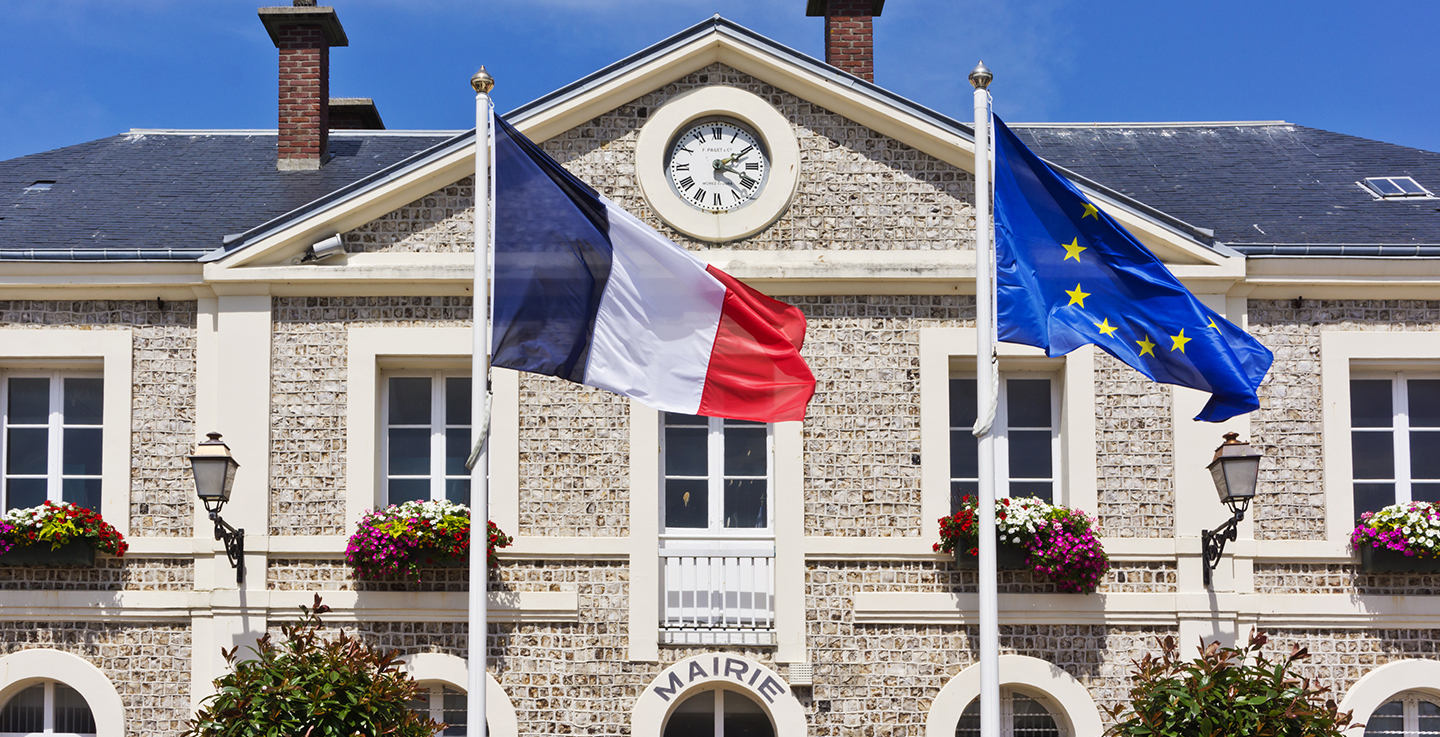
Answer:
(42, 185)
(1395, 187)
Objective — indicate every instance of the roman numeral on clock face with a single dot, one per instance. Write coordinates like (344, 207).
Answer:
(747, 182)
(687, 183)
(700, 196)
(744, 151)
(717, 199)
(682, 167)
(752, 166)
(716, 132)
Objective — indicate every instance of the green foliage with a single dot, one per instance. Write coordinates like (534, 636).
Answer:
(1229, 692)
(312, 686)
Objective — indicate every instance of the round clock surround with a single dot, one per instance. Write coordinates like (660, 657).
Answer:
(743, 210)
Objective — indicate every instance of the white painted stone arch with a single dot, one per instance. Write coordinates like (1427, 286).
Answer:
(21, 670)
(1080, 715)
(733, 672)
(1389, 680)
(454, 672)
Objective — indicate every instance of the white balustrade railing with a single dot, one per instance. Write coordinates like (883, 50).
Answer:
(718, 597)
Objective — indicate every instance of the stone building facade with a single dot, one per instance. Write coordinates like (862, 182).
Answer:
(868, 631)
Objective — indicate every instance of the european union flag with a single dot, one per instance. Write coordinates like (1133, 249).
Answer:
(1068, 275)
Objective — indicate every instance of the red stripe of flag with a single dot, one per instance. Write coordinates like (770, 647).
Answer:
(755, 371)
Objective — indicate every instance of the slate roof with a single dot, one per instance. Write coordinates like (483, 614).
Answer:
(172, 195)
(1264, 188)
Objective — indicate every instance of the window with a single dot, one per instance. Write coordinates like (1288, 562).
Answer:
(427, 437)
(443, 704)
(1394, 439)
(1410, 714)
(1027, 437)
(717, 476)
(46, 708)
(720, 713)
(1395, 187)
(1020, 716)
(51, 444)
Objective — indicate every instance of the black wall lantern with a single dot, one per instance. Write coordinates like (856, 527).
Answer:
(214, 471)
(1236, 469)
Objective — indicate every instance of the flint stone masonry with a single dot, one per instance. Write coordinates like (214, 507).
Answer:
(1340, 578)
(1136, 491)
(441, 222)
(162, 415)
(308, 398)
(149, 665)
(1287, 427)
(1339, 657)
(109, 574)
(574, 460)
(858, 190)
(862, 430)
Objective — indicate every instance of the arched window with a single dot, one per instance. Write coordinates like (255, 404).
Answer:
(717, 712)
(1411, 714)
(1021, 715)
(49, 708)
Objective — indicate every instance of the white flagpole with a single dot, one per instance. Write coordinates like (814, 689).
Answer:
(987, 391)
(478, 630)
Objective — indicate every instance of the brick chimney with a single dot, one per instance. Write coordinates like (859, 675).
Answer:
(849, 43)
(304, 35)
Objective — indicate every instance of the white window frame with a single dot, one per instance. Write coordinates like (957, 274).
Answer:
(719, 724)
(1007, 711)
(1002, 430)
(55, 433)
(1410, 711)
(1399, 429)
(48, 713)
(435, 702)
(437, 475)
(716, 531)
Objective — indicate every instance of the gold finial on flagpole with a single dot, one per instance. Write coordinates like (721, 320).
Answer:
(482, 81)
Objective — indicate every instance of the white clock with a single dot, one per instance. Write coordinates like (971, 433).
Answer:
(717, 165)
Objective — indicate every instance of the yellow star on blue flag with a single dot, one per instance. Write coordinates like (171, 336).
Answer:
(1035, 208)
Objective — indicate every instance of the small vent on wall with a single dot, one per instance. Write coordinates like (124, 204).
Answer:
(801, 674)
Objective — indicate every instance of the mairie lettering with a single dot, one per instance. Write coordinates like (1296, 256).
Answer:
(734, 669)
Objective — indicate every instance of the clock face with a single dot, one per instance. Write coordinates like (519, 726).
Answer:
(717, 166)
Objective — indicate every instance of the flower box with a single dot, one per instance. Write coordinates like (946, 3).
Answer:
(1008, 557)
(74, 554)
(1385, 560)
(431, 557)
(399, 541)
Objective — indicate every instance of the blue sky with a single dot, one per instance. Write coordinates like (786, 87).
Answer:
(83, 69)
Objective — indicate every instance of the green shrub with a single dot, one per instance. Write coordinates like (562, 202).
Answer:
(311, 686)
(1229, 692)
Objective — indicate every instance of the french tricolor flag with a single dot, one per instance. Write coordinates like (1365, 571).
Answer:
(587, 292)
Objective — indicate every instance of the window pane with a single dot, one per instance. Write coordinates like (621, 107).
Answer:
(1032, 719)
(1373, 497)
(1425, 455)
(409, 451)
(1425, 492)
(24, 712)
(457, 450)
(969, 725)
(745, 718)
(964, 455)
(24, 493)
(81, 456)
(81, 492)
(1039, 489)
(454, 712)
(26, 450)
(1029, 454)
(687, 503)
(1370, 403)
(409, 490)
(1429, 718)
(675, 418)
(959, 490)
(1424, 402)
(745, 503)
(962, 403)
(83, 401)
(745, 451)
(1372, 455)
(410, 401)
(457, 400)
(685, 451)
(1028, 402)
(29, 402)
(1388, 719)
(694, 716)
(72, 714)
(458, 491)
